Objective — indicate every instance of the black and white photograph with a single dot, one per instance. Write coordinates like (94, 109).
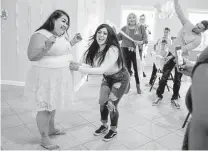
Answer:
(104, 74)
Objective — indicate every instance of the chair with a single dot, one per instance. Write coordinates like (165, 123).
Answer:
(187, 117)
(159, 75)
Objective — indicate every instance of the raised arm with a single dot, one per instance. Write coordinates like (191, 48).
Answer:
(180, 13)
(110, 59)
(155, 45)
(77, 38)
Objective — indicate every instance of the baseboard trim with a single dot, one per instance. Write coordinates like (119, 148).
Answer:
(15, 83)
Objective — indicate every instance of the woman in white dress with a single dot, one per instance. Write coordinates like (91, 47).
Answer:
(49, 83)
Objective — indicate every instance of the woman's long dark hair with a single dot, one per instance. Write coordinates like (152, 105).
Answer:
(111, 40)
(49, 23)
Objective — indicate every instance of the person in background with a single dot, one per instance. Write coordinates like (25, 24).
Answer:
(157, 51)
(128, 47)
(196, 139)
(189, 38)
(49, 82)
(104, 56)
(142, 22)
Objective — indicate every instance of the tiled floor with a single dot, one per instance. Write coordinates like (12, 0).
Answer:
(141, 126)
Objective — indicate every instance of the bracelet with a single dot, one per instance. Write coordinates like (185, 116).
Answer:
(72, 43)
(44, 49)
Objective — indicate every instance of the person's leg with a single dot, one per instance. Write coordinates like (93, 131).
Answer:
(117, 91)
(177, 84)
(163, 81)
(127, 57)
(134, 61)
(142, 59)
(52, 129)
(154, 72)
(104, 93)
(176, 88)
(42, 119)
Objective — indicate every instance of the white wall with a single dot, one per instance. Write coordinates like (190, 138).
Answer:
(113, 13)
(25, 16)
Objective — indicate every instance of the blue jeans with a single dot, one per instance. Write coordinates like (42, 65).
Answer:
(113, 87)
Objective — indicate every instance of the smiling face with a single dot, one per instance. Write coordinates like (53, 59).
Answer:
(163, 46)
(198, 28)
(132, 19)
(166, 33)
(61, 25)
(101, 36)
(142, 20)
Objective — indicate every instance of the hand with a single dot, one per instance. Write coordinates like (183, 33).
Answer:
(144, 54)
(188, 67)
(136, 43)
(49, 42)
(75, 63)
(77, 38)
(114, 29)
(185, 52)
(74, 66)
(152, 53)
(110, 106)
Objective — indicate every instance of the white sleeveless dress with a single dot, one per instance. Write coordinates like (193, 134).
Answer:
(49, 82)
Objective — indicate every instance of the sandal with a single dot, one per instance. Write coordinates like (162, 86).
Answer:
(50, 147)
(58, 132)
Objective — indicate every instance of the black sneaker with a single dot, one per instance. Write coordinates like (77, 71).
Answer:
(157, 101)
(100, 130)
(111, 134)
(175, 103)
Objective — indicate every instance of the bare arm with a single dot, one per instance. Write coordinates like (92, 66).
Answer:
(179, 12)
(191, 46)
(110, 59)
(36, 49)
(144, 35)
(119, 35)
(155, 45)
(199, 123)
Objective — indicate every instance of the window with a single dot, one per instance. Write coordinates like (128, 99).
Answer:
(138, 10)
(196, 17)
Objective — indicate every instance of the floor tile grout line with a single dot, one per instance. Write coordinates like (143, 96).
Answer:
(142, 144)
(148, 143)
(142, 134)
(82, 117)
(155, 138)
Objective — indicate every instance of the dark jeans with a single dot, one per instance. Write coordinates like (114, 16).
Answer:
(130, 57)
(112, 89)
(168, 67)
(154, 73)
